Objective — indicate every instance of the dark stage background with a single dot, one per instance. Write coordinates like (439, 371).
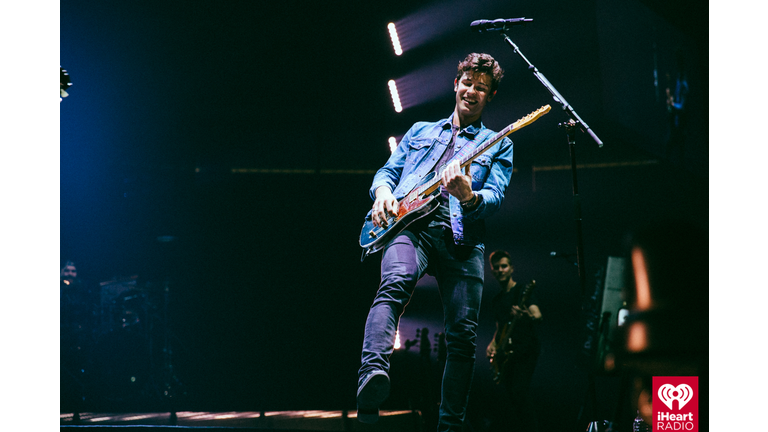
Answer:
(225, 149)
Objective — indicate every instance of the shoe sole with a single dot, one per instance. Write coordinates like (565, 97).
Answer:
(371, 396)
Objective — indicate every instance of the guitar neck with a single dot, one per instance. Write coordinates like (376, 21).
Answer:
(483, 147)
(507, 330)
(430, 186)
(433, 184)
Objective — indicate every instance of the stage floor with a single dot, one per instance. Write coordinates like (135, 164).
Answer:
(249, 420)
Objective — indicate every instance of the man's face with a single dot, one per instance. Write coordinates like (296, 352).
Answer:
(502, 270)
(472, 93)
(69, 272)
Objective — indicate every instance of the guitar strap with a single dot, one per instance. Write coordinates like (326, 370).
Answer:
(447, 155)
(449, 150)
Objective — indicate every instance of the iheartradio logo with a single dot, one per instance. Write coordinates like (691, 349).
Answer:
(669, 393)
(671, 416)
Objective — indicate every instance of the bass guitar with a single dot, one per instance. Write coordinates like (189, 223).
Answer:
(504, 352)
(421, 200)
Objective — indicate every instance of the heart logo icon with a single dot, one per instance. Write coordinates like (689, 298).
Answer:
(682, 393)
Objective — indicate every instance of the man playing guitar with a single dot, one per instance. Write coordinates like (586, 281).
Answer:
(514, 349)
(446, 243)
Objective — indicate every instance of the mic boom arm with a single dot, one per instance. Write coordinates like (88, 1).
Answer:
(555, 94)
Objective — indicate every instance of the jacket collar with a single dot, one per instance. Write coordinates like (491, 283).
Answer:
(471, 130)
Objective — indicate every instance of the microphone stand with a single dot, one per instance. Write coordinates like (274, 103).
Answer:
(570, 128)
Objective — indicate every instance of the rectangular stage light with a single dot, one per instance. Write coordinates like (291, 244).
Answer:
(395, 39)
(392, 144)
(395, 96)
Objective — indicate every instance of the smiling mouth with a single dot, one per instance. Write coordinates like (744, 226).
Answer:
(470, 102)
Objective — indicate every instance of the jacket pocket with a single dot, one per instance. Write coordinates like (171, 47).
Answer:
(417, 149)
(479, 170)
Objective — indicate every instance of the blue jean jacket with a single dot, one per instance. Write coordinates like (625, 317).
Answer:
(423, 145)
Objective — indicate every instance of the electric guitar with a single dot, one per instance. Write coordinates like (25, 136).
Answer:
(504, 352)
(421, 200)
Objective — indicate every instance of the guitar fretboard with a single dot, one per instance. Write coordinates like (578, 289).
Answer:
(433, 184)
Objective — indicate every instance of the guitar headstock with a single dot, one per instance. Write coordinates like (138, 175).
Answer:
(528, 291)
(532, 117)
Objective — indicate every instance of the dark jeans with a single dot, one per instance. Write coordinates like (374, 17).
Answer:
(459, 274)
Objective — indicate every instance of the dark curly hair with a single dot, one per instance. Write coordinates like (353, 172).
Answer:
(482, 63)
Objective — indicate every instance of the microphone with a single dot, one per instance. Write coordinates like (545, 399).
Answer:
(497, 24)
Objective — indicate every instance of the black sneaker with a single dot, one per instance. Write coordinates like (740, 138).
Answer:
(372, 392)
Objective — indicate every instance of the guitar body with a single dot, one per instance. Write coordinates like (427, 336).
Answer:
(504, 353)
(411, 208)
(500, 362)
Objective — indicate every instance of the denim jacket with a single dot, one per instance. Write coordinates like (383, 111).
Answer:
(421, 148)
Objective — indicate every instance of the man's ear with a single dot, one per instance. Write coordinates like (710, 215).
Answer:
(455, 84)
(490, 97)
